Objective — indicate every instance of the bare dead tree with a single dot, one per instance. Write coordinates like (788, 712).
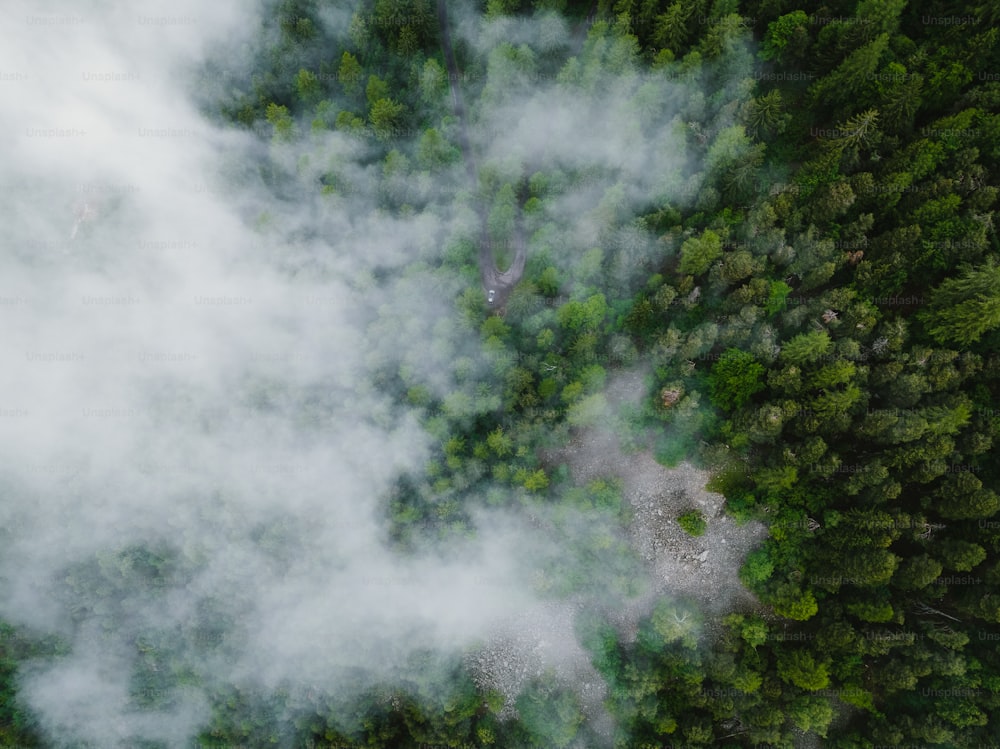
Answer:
(923, 608)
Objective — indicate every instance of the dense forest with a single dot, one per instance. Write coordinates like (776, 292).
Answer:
(805, 273)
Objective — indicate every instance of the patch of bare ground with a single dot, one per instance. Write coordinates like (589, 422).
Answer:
(528, 645)
(703, 568)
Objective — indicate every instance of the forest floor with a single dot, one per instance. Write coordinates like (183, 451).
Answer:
(703, 568)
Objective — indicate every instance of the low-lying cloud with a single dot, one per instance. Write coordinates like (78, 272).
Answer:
(195, 461)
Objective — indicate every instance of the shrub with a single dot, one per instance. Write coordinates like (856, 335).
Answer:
(693, 523)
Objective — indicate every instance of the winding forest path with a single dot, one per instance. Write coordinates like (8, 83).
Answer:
(497, 284)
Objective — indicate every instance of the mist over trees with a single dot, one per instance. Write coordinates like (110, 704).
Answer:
(275, 471)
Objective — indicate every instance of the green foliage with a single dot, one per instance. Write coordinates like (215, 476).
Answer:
(434, 152)
(533, 481)
(673, 622)
(17, 726)
(698, 254)
(501, 444)
(963, 309)
(550, 714)
(869, 567)
(583, 316)
(800, 667)
(589, 411)
(854, 76)
(433, 82)
(791, 602)
(806, 348)
(811, 714)
(693, 522)
(959, 555)
(385, 117)
(735, 378)
(786, 37)
(349, 74)
(307, 85)
(757, 568)
(777, 294)
(376, 90)
(283, 123)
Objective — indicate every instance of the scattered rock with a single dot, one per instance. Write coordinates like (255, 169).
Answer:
(705, 567)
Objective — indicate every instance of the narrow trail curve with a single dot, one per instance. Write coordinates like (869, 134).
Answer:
(497, 284)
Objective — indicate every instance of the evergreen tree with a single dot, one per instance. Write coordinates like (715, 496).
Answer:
(735, 377)
(961, 310)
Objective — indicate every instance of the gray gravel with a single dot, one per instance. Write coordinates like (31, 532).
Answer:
(705, 568)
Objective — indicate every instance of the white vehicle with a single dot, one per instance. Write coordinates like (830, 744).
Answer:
(490, 296)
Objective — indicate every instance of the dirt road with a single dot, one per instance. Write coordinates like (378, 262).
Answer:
(497, 284)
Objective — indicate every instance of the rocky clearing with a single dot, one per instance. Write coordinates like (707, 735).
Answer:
(703, 568)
